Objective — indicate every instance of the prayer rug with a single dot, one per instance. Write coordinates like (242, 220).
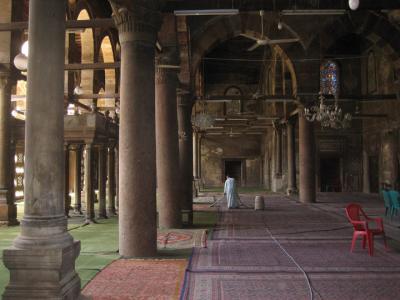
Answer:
(127, 279)
(173, 237)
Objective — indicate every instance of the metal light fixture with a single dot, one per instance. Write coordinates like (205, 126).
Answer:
(353, 4)
(21, 59)
(203, 120)
(330, 116)
(206, 12)
(312, 12)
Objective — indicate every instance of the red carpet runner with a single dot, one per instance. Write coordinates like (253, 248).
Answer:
(139, 280)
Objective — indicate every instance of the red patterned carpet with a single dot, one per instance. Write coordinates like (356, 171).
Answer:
(138, 279)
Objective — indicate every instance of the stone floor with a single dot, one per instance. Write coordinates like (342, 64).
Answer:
(294, 251)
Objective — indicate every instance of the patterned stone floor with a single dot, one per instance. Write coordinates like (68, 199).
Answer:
(294, 251)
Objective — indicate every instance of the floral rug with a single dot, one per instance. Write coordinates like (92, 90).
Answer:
(127, 279)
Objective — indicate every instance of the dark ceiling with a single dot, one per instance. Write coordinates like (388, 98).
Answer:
(231, 61)
(276, 5)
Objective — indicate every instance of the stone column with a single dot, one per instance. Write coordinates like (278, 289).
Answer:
(102, 181)
(111, 180)
(201, 136)
(195, 153)
(67, 199)
(185, 104)
(291, 158)
(307, 160)
(137, 27)
(167, 151)
(8, 209)
(77, 179)
(42, 258)
(389, 161)
(116, 179)
(366, 182)
(278, 149)
(88, 188)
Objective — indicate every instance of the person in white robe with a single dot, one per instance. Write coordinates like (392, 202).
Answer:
(230, 192)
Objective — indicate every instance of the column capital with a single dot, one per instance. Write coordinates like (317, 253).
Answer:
(137, 21)
(184, 97)
(167, 66)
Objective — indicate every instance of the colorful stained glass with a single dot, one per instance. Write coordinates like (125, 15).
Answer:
(329, 78)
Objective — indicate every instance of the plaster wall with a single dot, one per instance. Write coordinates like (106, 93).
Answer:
(216, 149)
(5, 36)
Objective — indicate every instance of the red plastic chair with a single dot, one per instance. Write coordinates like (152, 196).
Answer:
(361, 223)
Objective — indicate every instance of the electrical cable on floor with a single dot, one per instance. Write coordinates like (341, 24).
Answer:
(310, 288)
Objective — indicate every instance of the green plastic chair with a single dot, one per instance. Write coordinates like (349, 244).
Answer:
(388, 202)
(394, 198)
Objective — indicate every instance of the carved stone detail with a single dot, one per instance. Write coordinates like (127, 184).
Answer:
(138, 21)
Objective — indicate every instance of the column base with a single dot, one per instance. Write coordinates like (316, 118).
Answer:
(8, 212)
(42, 273)
(187, 217)
(90, 221)
(111, 212)
(292, 191)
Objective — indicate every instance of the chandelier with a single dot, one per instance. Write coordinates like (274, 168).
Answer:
(330, 116)
(203, 120)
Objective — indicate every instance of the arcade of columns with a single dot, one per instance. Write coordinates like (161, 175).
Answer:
(155, 110)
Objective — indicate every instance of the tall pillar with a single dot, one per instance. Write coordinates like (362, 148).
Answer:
(116, 178)
(167, 151)
(185, 104)
(195, 153)
(201, 136)
(366, 175)
(8, 209)
(389, 160)
(42, 258)
(137, 27)
(291, 158)
(307, 161)
(88, 187)
(77, 179)
(278, 149)
(111, 180)
(67, 198)
(102, 181)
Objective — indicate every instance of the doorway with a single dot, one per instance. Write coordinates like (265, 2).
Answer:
(373, 174)
(330, 174)
(234, 169)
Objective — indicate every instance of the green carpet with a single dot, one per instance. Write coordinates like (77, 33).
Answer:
(99, 247)
(99, 244)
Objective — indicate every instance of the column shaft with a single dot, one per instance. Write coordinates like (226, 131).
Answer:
(137, 147)
(42, 259)
(77, 180)
(67, 199)
(366, 182)
(102, 181)
(195, 153)
(116, 179)
(167, 150)
(306, 161)
(111, 181)
(278, 137)
(8, 209)
(291, 158)
(88, 188)
(186, 152)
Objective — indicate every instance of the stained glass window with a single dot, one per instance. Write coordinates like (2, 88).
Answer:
(329, 78)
